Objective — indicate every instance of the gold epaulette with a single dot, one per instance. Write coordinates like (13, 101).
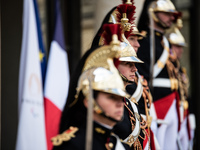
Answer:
(65, 136)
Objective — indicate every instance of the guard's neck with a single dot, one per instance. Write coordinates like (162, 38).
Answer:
(158, 28)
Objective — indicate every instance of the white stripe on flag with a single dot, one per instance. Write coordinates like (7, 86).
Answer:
(57, 79)
(31, 128)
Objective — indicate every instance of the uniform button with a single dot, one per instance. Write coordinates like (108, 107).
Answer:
(110, 145)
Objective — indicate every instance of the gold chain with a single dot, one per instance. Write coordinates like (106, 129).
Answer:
(132, 118)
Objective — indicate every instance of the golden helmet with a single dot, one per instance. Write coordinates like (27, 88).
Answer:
(102, 79)
(128, 53)
(175, 37)
(134, 31)
(161, 6)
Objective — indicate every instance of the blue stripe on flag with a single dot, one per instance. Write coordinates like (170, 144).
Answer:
(58, 34)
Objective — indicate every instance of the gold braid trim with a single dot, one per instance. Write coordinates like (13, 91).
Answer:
(173, 73)
(147, 102)
(65, 136)
(137, 145)
(132, 117)
(183, 88)
(143, 123)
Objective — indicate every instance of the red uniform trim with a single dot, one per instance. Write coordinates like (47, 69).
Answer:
(153, 147)
(146, 139)
(178, 110)
(163, 105)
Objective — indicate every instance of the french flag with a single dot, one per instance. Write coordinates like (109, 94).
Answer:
(56, 81)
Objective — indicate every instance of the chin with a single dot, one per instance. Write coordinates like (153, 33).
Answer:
(119, 118)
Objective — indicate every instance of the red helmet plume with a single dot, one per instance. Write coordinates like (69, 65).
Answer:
(109, 30)
(127, 9)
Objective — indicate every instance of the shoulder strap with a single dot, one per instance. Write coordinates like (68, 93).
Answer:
(159, 65)
(135, 133)
(138, 92)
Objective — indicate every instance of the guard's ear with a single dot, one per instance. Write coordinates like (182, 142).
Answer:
(85, 102)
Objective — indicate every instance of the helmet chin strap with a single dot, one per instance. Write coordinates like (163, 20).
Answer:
(110, 118)
(100, 111)
(125, 79)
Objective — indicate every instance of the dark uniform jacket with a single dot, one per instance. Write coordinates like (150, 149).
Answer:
(102, 140)
(144, 68)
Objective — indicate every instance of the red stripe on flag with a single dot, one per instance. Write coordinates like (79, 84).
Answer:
(52, 120)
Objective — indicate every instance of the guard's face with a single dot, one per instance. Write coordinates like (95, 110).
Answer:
(112, 105)
(133, 40)
(127, 69)
(166, 18)
(178, 50)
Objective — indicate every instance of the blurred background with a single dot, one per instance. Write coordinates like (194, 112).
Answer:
(81, 19)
